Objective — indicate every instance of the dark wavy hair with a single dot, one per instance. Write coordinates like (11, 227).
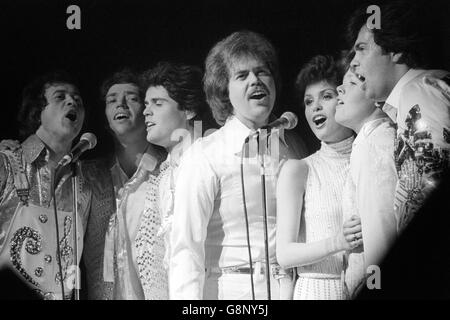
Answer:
(34, 101)
(184, 85)
(219, 61)
(403, 30)
(319, 68)
(123, 76)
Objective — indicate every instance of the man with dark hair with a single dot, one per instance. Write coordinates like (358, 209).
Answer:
(388, 61)
(34, 100)
(213, 255)
(175, 107)
(182, 85)
(51, 116)
(113, 261)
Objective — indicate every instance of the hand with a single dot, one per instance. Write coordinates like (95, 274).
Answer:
(351, 235)
(9, 145)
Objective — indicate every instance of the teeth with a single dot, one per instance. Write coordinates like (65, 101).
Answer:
(319, 119)
(258, 94)
(121, 116)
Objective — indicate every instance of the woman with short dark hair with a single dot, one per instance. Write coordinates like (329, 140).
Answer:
(309, 192)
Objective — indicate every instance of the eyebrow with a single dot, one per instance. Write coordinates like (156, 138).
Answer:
(158, 99)
(154, 100)
(126, 92)
(321, 91)
(326, 89)
(58, 91)
(239, 71)
(244, 70)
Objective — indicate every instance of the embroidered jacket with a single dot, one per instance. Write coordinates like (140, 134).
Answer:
(25, 182)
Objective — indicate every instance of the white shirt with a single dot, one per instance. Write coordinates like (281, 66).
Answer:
(209, 223)
(372, 169)
(166, 190)
(124, 226)
(422, 113)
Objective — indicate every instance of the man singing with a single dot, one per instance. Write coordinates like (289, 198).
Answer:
(51, 116)
(210, 253)
(113, 261)
(390, 61)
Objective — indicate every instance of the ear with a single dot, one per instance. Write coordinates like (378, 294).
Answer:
(395, 57)
(189, 114)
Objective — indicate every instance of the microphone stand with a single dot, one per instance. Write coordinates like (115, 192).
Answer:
(75, 228)
(250, 262)
(58, 249)
(264, 207)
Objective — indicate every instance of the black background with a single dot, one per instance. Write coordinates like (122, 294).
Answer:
(138, 34)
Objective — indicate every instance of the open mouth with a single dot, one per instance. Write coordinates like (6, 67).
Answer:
(340, 101)
(72, 115)
(121, 116)
(319, 120)
(258, 94)
(149, 124)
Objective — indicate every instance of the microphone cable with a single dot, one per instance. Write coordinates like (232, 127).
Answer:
(58, 250)
(246, 218)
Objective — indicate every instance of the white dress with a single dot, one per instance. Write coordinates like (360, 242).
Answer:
(322, 218)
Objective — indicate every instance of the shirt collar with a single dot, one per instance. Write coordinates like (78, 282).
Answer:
(394, 97)
(174, 156)
(240, 132)
(150, 161)
(32, 148)
(237, 132)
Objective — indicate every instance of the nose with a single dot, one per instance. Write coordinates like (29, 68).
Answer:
(70, 101)
(340, 90)
(317, 106)
(147, 111)
(354, 63)
(123, 102)
(253, 78)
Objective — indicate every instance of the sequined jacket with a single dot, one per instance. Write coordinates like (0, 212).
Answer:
(134, 261)
(32, 158)
(104, 204)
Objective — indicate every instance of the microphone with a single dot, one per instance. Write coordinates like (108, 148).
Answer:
(288, 120)
(87, 142)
